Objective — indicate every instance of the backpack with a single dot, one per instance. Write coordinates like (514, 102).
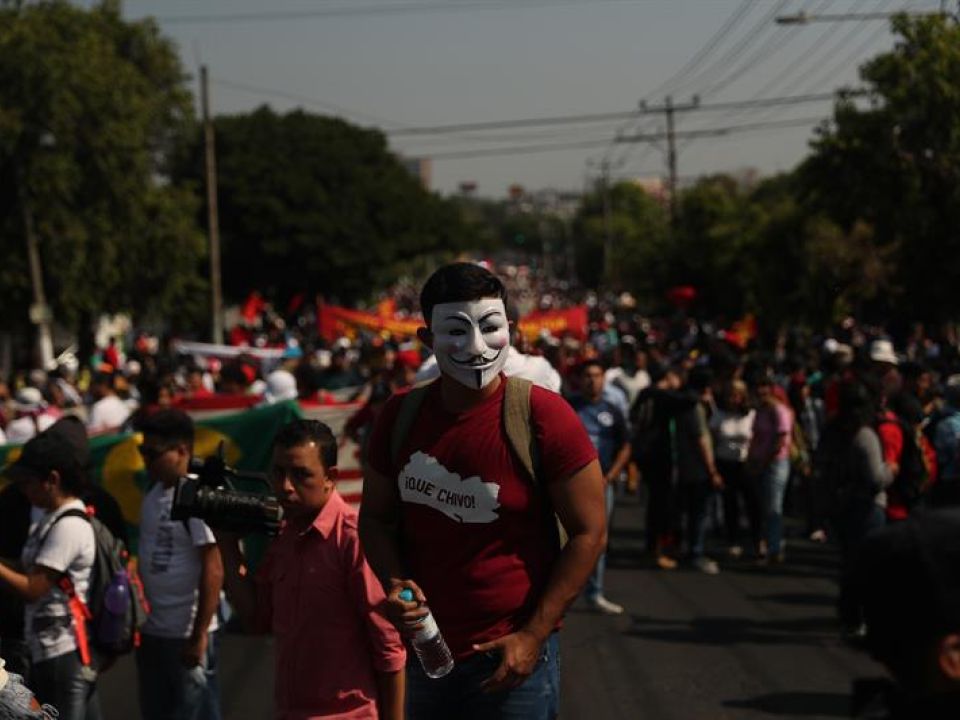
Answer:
(516, 424)
(911, 479)
(90, 618)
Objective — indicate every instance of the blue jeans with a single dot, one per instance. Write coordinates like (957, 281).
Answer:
(458, 695)
(171, 691)
(695, 502)
(60, 682)
(594, 587)
(774, 487)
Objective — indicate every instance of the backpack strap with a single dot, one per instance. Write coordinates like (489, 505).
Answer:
(409, 409)
(73, 512)
(516, 423)
(78, 609)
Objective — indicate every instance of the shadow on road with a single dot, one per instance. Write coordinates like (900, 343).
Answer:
(736, 630)
(796, 704)
(801, 599)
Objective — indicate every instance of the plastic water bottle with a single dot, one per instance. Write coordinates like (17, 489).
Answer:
(429, 645)
(116, 601)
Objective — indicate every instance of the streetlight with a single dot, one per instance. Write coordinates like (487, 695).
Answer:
(803, 18)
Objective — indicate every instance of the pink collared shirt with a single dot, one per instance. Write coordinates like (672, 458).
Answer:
(320, 599)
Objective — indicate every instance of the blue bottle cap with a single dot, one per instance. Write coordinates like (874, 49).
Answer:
(406, 595)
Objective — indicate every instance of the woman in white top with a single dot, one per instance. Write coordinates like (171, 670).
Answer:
(732, 428)
(51, 477)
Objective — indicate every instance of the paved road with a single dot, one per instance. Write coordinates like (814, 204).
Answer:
(748, 643)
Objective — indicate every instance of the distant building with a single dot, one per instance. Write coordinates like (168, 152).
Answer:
(420, 168)
(655, 187)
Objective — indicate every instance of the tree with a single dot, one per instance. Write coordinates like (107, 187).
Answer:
(313, 204)
(894, 164)
(708, 249)
(91, 109)
(638, 226)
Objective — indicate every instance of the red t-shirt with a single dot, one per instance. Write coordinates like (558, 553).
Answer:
(474, 531)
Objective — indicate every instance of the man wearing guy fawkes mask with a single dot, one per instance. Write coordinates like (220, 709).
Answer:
(451, 513)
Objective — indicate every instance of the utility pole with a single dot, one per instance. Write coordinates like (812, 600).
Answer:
(669, 110)
(607, 230)
(39, 311)
(213, 217)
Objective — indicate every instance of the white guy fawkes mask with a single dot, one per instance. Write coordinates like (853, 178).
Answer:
(471, 340)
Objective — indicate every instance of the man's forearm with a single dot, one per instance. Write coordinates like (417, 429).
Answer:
(619, 463)
(390, 688)
(573, 567)
(211, 582)
(706, 454)
(381, 547)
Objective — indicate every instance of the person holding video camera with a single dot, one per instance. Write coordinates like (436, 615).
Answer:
(337, 655)
(182, 577)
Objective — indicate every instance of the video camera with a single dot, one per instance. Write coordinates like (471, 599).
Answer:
(209, 492)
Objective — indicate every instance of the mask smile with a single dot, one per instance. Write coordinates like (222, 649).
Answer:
(477, 361)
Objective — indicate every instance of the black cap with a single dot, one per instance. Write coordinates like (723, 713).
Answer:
(61, 446)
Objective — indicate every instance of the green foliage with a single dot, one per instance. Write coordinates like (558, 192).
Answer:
(638, 229)
(895, 165)
(91, 108)
(311, 203)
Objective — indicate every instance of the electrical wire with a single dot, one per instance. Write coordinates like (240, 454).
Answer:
(551, 147)
(404, 8)
(738, 16)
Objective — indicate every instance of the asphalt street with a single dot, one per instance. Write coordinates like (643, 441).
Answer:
(750, 642)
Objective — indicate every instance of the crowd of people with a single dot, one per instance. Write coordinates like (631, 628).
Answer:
(722, 432)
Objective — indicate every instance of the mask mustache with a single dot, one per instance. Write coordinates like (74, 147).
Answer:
(477, 359)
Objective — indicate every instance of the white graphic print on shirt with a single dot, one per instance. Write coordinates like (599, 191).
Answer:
(425, 481)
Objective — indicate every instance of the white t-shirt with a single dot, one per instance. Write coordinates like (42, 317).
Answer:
(170, 565)
(69, 547)
(107, 413)
(632, 385)
(535, 368)
(731, 434)
(25, 428)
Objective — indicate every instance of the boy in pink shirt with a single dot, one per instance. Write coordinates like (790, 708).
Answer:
(337, 656)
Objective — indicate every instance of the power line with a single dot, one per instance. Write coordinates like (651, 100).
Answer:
(753, 35)
(802, 71)
(600, 117)
(796, 68)
(739, 14)
(403, 8)
(296, 97)
(648, 137)
(730, 130)
(742, 9)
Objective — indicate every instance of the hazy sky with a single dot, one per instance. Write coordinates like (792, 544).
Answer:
(413, 63)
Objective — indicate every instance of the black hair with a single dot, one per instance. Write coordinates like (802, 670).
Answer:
(73, 478)
(700, 378)
(589, 363)
(103, 378)
(233, 372)
(302, 432)
(858, 406)
(459, 282)
(170, 425)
